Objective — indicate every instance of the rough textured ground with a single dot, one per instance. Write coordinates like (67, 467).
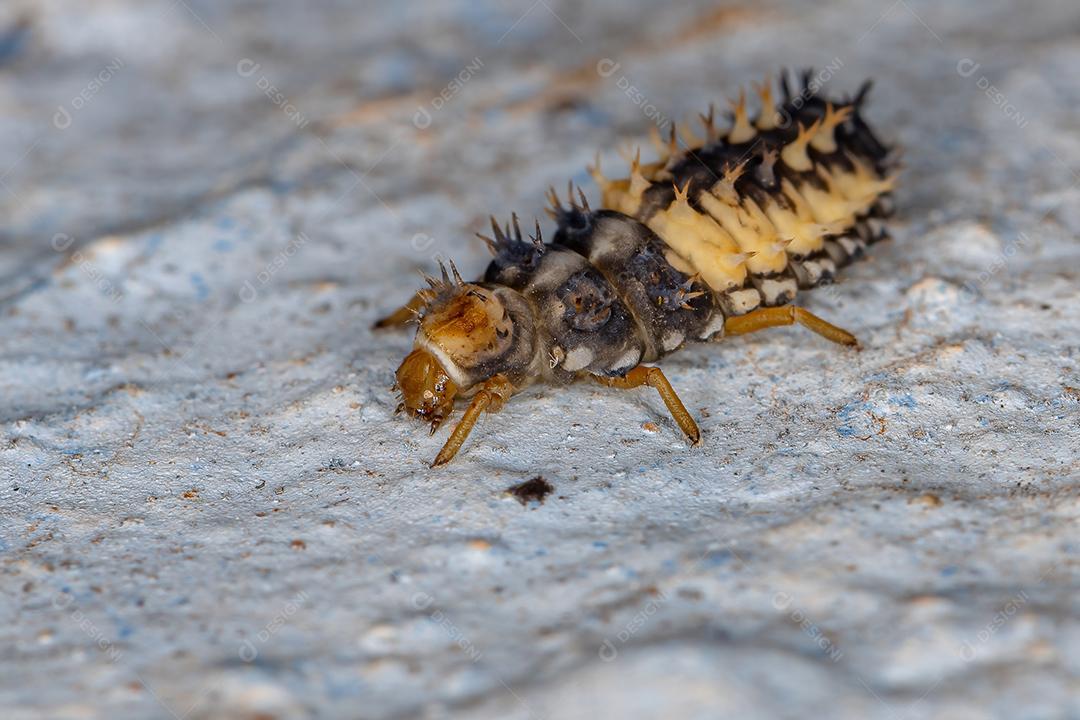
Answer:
(208, 509)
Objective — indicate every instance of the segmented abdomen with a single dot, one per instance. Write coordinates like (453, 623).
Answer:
(727, 224)
(771, 205)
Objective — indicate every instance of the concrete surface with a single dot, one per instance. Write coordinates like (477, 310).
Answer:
(209, 509)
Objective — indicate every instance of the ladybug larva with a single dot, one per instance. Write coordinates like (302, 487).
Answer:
(714, 238)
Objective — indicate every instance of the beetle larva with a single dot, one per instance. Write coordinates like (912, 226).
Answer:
(712, 239)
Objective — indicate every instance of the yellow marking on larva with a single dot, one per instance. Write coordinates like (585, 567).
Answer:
(638, 182)
(679, 262)
(667, 154)
(769, 117)
(623, 195)
(608, 189)
(699, 241)
(834, 178)
(825, 138)
(794, 153)
(751, 231)
(742, 131)
(862, 185)
(828, 207)
(798, 223)
(650, 171)
(724, 188)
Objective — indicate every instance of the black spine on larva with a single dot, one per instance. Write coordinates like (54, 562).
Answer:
(764, 176)
(516, 258)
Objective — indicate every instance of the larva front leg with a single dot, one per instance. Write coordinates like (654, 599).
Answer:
(491, 397)
(654, 377)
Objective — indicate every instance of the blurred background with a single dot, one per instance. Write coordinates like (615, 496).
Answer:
(210, 511)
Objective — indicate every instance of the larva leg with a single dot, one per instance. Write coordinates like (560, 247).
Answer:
(654, 378)
(491, 397)
(787, 315)
(403, 314)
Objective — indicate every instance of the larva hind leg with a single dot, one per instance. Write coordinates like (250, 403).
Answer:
(787, 315)
(654, 378)
(491, 397)
(404, 314)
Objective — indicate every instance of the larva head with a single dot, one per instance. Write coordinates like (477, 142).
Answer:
(427, 391)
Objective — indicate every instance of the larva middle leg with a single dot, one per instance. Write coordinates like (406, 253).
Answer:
(490, 398)
(654, 377)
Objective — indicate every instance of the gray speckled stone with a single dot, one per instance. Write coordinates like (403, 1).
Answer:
(209, 510)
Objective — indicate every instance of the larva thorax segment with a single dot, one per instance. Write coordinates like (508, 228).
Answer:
(584, 325)
(468, 333)
(668, 305)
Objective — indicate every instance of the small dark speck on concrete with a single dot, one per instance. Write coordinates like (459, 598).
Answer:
(536, 489)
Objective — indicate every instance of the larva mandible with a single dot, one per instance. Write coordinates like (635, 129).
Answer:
(713, 239)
